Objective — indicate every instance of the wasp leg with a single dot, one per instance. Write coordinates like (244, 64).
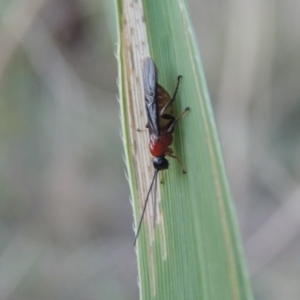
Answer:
(169, 153)
(171, 128)
(141, 130)
(173, 98)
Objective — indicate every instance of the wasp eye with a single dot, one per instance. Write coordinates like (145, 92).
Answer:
(160, 163)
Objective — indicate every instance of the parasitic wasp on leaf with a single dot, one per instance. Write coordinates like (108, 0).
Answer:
(161, 124)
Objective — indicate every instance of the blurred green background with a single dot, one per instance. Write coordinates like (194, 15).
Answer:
(65, 214)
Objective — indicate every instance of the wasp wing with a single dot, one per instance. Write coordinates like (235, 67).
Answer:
(150, 88)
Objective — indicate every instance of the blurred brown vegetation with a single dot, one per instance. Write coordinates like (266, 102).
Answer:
(65, 216)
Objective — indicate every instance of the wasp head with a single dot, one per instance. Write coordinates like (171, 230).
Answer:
(160, 163)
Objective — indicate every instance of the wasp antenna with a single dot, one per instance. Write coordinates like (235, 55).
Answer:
(162, 177)
(141, 130)
(154, 203)
(145, 205)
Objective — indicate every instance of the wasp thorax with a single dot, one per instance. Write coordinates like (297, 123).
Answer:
(160, 163)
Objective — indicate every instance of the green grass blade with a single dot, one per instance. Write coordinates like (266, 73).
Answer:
(194, 252)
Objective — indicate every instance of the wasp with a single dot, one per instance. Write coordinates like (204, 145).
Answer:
(161, 124)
